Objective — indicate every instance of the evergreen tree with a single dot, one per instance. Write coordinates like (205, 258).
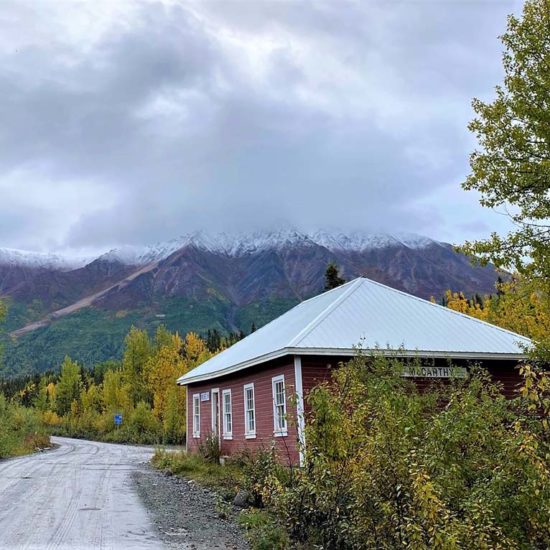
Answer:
(213, 340)
(499, 285)
(332, 277)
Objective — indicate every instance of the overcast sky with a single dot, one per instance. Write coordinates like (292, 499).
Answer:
(133, 122)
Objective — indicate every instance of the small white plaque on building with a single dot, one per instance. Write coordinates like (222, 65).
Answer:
(205, 396)
(435, 372)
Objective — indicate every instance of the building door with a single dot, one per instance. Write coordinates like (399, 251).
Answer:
(216, 412)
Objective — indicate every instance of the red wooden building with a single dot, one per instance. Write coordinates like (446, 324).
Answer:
(252, 394)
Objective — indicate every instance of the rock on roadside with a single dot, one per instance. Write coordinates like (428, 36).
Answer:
(185, 513)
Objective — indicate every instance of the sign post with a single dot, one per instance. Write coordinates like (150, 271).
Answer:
(118, 420)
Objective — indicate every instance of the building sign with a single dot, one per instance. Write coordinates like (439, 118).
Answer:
(205, 396)
(435, 372)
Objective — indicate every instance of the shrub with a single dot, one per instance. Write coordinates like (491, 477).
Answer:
(260, 469)
(225, 479)
(209, 449)
(387, 466)
(21, 430)
(263, 532)
(139, 426)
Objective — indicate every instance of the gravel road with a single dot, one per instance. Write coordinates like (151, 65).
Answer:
(87, 495)
(80, 495)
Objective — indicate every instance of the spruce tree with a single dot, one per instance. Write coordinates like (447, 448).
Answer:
(332, 277)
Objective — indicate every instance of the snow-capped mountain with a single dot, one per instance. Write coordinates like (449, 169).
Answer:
(241, 244)
(39, 260)
(228, 244)
(202, 281)
(141, 255)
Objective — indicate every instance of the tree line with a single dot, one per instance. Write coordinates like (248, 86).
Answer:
(140, 388)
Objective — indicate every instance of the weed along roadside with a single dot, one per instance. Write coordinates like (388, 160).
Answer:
(186, 513)
(232, 488)
(21, 430)
(388, 464)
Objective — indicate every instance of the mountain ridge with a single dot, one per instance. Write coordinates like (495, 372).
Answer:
(204, 281)
(231, 244)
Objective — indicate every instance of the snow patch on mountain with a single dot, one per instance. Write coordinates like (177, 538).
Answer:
(229, 244)
(39, 260)
(246, 243)
(242, 244)
(141, 255)
(238, 245)
(359, 241)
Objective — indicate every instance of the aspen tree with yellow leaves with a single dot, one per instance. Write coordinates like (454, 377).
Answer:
(141, 389)
(162, 370)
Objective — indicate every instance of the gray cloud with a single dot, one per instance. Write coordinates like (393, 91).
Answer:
(135, 122)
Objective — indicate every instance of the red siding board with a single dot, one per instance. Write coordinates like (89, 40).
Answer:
(318, 369)
(314, 371)
(261, 376)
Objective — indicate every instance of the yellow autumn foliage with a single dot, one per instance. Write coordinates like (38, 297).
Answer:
(519, 305)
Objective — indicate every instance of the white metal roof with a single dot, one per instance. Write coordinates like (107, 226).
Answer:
(366, 314)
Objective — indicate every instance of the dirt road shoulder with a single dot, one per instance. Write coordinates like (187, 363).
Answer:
(186, 514)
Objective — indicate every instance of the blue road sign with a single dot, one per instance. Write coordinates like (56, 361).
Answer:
(118, 419)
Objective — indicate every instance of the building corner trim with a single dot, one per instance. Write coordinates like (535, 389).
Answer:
(187, 419)
(300, 424)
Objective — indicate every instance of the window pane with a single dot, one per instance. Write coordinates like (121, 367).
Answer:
(279, 392)
(250, 426)
(251, 421)
(196, 414)
(227, 427)
(279, 407)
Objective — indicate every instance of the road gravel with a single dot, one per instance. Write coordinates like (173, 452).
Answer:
(188, 515)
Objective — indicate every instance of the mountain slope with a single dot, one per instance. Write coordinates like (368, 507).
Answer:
(205, 281)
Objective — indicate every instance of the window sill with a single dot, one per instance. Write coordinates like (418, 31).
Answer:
(196, 436)
(250, 436)
(280, 434)
(228, 437)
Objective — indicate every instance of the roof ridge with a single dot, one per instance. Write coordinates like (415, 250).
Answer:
(299, 304)
(338, 288)
(353, 286)
(448, 309)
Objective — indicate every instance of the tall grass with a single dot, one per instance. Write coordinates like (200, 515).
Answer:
(21, 430)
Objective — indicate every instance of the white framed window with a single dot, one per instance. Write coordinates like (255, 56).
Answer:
(249, 412)
(279, 405)
(227, 415)
(197, 415)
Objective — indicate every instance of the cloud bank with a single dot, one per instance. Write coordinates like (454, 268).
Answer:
(132, 122)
